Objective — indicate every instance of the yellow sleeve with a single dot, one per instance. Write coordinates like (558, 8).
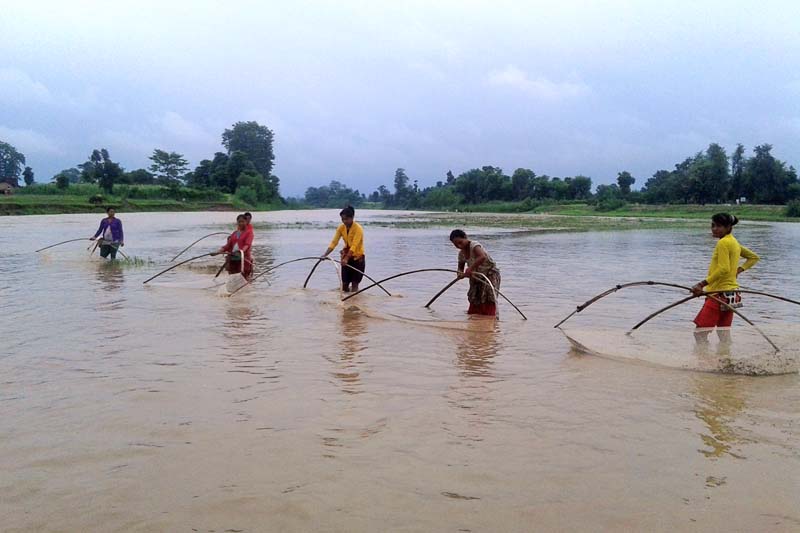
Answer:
(751, 257)
(336, 237)
(723, 266)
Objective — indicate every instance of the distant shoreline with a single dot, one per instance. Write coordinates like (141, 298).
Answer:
(19, 205)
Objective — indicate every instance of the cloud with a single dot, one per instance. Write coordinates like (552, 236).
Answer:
(30, 142)
(17, 87)
(174, 126)
(539, 87)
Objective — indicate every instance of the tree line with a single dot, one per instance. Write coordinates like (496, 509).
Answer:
(708, 177)
(244, 169)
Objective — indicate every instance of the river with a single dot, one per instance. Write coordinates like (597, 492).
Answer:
(167, 407)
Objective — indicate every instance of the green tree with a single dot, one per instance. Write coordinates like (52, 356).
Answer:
(521, 183)
(101, 169)
(27, 174)
(255, 141)
(738, 162)
(219, 173)
(168, 167)
(62, 181)
(767, 180)
(140, 176)
(718, 174)
(73, 174)
(580, 188)
(11, 163)
(624, 182)
(402, 191)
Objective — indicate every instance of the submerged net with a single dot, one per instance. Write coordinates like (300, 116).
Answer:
(737, 351)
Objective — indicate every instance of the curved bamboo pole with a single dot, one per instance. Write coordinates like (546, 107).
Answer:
(614, 289)
(305, 285)
(62, 242)
(483, 279)
(308, 278)
(711, 295)
(177, 265)
(195, 242)
(446, 287)
(270, 269)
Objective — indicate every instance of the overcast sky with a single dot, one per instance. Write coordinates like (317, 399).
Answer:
(356, 89)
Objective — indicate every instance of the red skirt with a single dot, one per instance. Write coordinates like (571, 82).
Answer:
(713, 315)
(482, 309)
(245, 268)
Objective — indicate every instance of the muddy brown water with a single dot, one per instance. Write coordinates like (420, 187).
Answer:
(170, 408)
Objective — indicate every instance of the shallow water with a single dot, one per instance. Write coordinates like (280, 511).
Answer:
(167, 407)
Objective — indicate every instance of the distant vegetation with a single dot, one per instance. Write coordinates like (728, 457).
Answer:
(709, 177)
(242, 176)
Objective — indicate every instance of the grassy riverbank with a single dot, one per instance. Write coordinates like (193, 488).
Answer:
(79, 200)
(86, 199)
(772, 213)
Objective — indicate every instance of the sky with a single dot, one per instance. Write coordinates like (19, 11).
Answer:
(355, 89)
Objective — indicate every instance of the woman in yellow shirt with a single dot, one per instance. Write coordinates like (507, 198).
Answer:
(722, 274)
(353, 252)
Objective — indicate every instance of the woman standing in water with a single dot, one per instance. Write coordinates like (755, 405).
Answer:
(482, 298)
(239, 250)
(112, 236)
(722, 273)
(353, 251)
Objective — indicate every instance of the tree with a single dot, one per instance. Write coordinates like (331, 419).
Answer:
(219, 173)
(402, 192)
(27, 174)
(580, 188)
(624, 181)
(766, 179)
(738, 161)
(169, 167)
(336, 194)
(255, 141)
(11, 163)
(718, 175)
(521, 183)
(139, 176)
(62, 181)
(450, 178)
(483, 184)
(73, 175)
(101, 169)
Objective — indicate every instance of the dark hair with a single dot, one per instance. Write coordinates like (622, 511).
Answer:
(457, 234)
(248, 214)
(725, 219)
(240, 216)
(109, 208)
(348, 212)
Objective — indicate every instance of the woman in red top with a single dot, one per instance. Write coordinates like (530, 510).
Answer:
(239, 249)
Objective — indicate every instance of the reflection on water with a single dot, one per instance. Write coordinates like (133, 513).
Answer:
(167, 407)
(476, 351)
(352, 341)
(719, 402)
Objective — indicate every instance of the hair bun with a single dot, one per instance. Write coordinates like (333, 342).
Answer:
(734, 220)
